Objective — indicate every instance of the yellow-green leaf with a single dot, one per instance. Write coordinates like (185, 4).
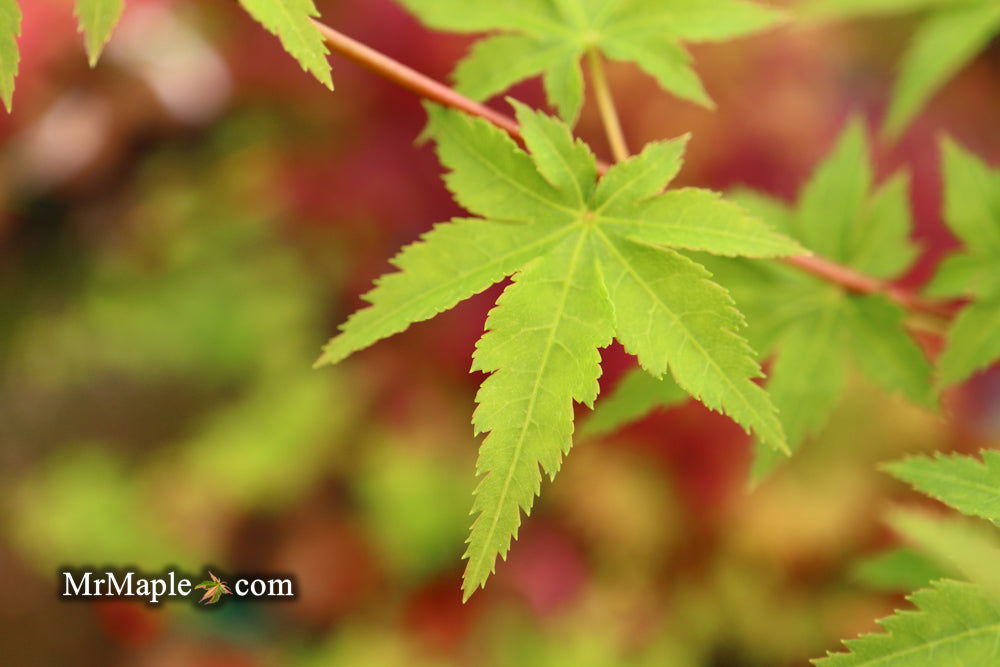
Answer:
(10, 29)
(291, 21)
(97, 18)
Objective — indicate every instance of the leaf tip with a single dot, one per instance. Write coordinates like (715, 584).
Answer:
(94, 50)
(323, 360)
(325, 77)
(782, 446)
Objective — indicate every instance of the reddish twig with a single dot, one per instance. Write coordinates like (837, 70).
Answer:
(861, 283)
(428, 88)
(412, 80)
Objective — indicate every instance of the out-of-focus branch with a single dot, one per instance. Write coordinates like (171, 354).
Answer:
(606, 106)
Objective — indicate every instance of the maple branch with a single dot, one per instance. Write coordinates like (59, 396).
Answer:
(428, 88)
(861, 283)
(412, 80)
(606, 106)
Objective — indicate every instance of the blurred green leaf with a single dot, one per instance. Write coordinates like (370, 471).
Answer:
(969, 485)
(635, 396)
(952, 32)
(200, 289)
(359, 645)
(849, 8)
(843, 217)
(944, 43)
(97, 18)
(10, 29)
(291, 21)
(972, 211)
(415, 505)
(956, 624)
(806, 378)
(973, 341)
(550, 38)
(814, 329)
(86, 508)
(968, 546)
(902, 569)
(270, 445)
(972, 193)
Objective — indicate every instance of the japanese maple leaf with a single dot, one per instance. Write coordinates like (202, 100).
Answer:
(972, 211)
(549, 37)
(214, 589)
(812, 329)
(952, 623)
(591, 261)
(815, 330)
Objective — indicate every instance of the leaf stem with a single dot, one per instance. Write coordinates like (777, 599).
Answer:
(428, 88)
(606, 106)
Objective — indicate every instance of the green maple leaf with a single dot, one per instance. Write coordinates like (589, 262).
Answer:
(815, 329)
(548, 38)
(10, 28)
(97, 18)
(972, 211)
(956, 625)
(591, 260)
(901, 569)
(215, 588)
(291, 22)
(963, 482)
(950, 35)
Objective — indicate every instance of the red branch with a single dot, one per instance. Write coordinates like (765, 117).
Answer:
(412, 80)
(861, 283)
(430, 89)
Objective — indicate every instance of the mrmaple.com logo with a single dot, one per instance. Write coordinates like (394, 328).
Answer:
(86, 584)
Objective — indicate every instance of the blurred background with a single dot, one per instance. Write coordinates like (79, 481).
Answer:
(183, 227)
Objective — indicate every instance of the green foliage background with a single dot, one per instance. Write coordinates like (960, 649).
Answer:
(160, 317)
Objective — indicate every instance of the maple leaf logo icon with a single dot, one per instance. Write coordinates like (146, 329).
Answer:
(214, 589)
